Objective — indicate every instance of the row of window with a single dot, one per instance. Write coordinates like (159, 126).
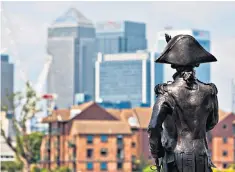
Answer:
(103, 152)
(233, 127)
(103, 138)
(103, 165)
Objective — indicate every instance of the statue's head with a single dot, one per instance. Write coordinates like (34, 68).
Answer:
(184, 51)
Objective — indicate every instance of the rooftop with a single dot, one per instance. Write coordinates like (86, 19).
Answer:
(72, 18)
(100, 127)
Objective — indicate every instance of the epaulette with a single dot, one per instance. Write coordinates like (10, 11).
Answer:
(160, 89)
(214, 89)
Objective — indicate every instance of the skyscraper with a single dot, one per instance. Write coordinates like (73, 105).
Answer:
(203, 37)
(7, 81)
(71, 43)
(120, 37)
(125, 77)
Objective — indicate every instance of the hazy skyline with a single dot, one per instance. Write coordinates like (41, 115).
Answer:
(28, 23)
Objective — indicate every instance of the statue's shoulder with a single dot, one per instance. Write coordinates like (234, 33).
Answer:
(162, 88)
(214, 89)
(211, 86)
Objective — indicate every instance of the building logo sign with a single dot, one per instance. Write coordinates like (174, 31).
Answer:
(201, 35)
(110, 26)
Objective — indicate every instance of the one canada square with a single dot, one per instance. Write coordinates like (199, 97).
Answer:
(71, 43)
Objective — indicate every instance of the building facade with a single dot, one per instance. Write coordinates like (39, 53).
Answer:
(7, 154)
(71, 43)
(120, 37)
(203, 72)
(90, 138)
(222, 141)
(124, 77)
(86, 138)
(7, 81)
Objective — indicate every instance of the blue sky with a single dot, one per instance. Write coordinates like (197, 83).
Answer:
(24, 31)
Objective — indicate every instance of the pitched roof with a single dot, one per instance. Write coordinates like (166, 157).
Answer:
(83, 106)
(225, 126)
(115, 112)
(144, 116)
(222, 115)
(100, 127)
(85, 111)
(57, 115)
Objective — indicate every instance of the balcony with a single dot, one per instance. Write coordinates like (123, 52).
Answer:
(71, 144)
(47, 145)
(120, 145)
(57, 144)
(120, 155)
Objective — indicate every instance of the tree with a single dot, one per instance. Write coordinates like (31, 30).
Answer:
(26, 103)
(35, 140)
(11, 166)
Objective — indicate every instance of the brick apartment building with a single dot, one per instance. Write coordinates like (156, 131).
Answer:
(90, 138)
(222, 141)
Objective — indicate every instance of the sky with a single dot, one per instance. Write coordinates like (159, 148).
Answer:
(24, 32)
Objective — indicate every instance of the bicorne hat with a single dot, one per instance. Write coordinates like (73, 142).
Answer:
(184, 50)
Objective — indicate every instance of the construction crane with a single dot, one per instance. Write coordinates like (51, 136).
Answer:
(9, 32)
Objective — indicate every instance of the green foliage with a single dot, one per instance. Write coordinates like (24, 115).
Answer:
(62, 169)
(11, 166)
(44, 170)
(35, 140)
(27, 146)
(34, 168)
(147, 169)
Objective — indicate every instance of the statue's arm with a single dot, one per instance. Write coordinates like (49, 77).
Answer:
(161, 108)
(213, 117)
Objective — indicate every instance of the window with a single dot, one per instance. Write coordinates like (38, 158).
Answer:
(119, 139)
(103, 151)
(89, 166)
(104, 138)
(119, 165)
(133, 144)
(89, 153)
(103, 165)
(89, 139)
(133, 158)
(225, 165)
(225, 153)
(120, 154)
(234, 129)
(224, 126)
(225, 140)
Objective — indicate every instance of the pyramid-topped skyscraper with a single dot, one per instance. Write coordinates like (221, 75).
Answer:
(71, 43)
(73, 17)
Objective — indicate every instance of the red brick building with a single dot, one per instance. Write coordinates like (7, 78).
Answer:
(90, 138)
(86, 138)
(222, 141)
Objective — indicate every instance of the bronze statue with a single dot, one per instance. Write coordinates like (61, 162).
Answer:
(184, 111)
